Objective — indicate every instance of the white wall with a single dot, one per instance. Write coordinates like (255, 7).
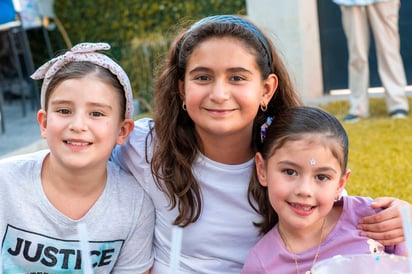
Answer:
(293, 27)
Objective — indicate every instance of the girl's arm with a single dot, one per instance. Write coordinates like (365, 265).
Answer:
(385, 226)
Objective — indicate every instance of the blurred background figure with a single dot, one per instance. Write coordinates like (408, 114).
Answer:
(381, 17)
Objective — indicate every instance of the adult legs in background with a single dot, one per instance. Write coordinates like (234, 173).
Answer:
(356, 28)
(384, 20)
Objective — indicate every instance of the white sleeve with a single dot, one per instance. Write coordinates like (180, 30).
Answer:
(134, 155)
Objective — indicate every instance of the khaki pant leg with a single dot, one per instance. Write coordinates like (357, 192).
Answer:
(384, 20)
(355, 26)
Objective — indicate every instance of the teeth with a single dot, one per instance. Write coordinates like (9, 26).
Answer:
(77, 143)
(302, 207)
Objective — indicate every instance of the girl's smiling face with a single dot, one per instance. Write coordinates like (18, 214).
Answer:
(303, 178)
(83, 122)
(223, 88)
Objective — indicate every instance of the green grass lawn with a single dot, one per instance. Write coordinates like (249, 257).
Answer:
(380, 152)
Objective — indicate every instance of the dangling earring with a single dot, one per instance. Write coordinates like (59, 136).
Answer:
(263, 107)
(184, 106)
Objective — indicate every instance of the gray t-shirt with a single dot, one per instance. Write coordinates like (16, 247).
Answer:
(37, 238)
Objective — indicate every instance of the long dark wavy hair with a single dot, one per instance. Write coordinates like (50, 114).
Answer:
(176, 142)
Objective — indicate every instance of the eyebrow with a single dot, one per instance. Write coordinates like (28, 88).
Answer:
(93, 104)
(234, 69)
(318, 169)
(101, 105)
(57, 102)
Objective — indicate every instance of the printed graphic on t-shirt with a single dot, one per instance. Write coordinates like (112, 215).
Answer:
(29, 252)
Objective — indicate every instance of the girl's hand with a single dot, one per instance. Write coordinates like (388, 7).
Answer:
(385, 226)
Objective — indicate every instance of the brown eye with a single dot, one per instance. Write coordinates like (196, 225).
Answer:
(237, 78)
(63, 111)
(202, 78)
(290, 172)
(322, 177)
(96, 114)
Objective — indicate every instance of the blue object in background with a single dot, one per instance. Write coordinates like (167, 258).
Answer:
(7, 12)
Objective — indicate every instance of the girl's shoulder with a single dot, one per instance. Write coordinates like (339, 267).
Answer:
(23, 162)
(136, 146)
(358, 205)
(349, 209)
(142, 134)
(143, 125)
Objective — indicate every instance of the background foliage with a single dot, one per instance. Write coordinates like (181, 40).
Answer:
(139, 31)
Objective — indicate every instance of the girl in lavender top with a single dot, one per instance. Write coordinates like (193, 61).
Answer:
(301, 170)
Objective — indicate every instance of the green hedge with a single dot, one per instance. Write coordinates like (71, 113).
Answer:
(139, 32)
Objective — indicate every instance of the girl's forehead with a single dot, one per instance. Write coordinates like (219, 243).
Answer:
(302, 148)
(88, 85)
(221, 51)
(310, 141)
(227, 39)
(307, 138)
(313, 141)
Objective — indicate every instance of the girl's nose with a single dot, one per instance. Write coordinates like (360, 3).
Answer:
(304, 187)
(78, 123)
(220, 91)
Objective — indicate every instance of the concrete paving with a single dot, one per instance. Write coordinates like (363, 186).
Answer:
(22, 133)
